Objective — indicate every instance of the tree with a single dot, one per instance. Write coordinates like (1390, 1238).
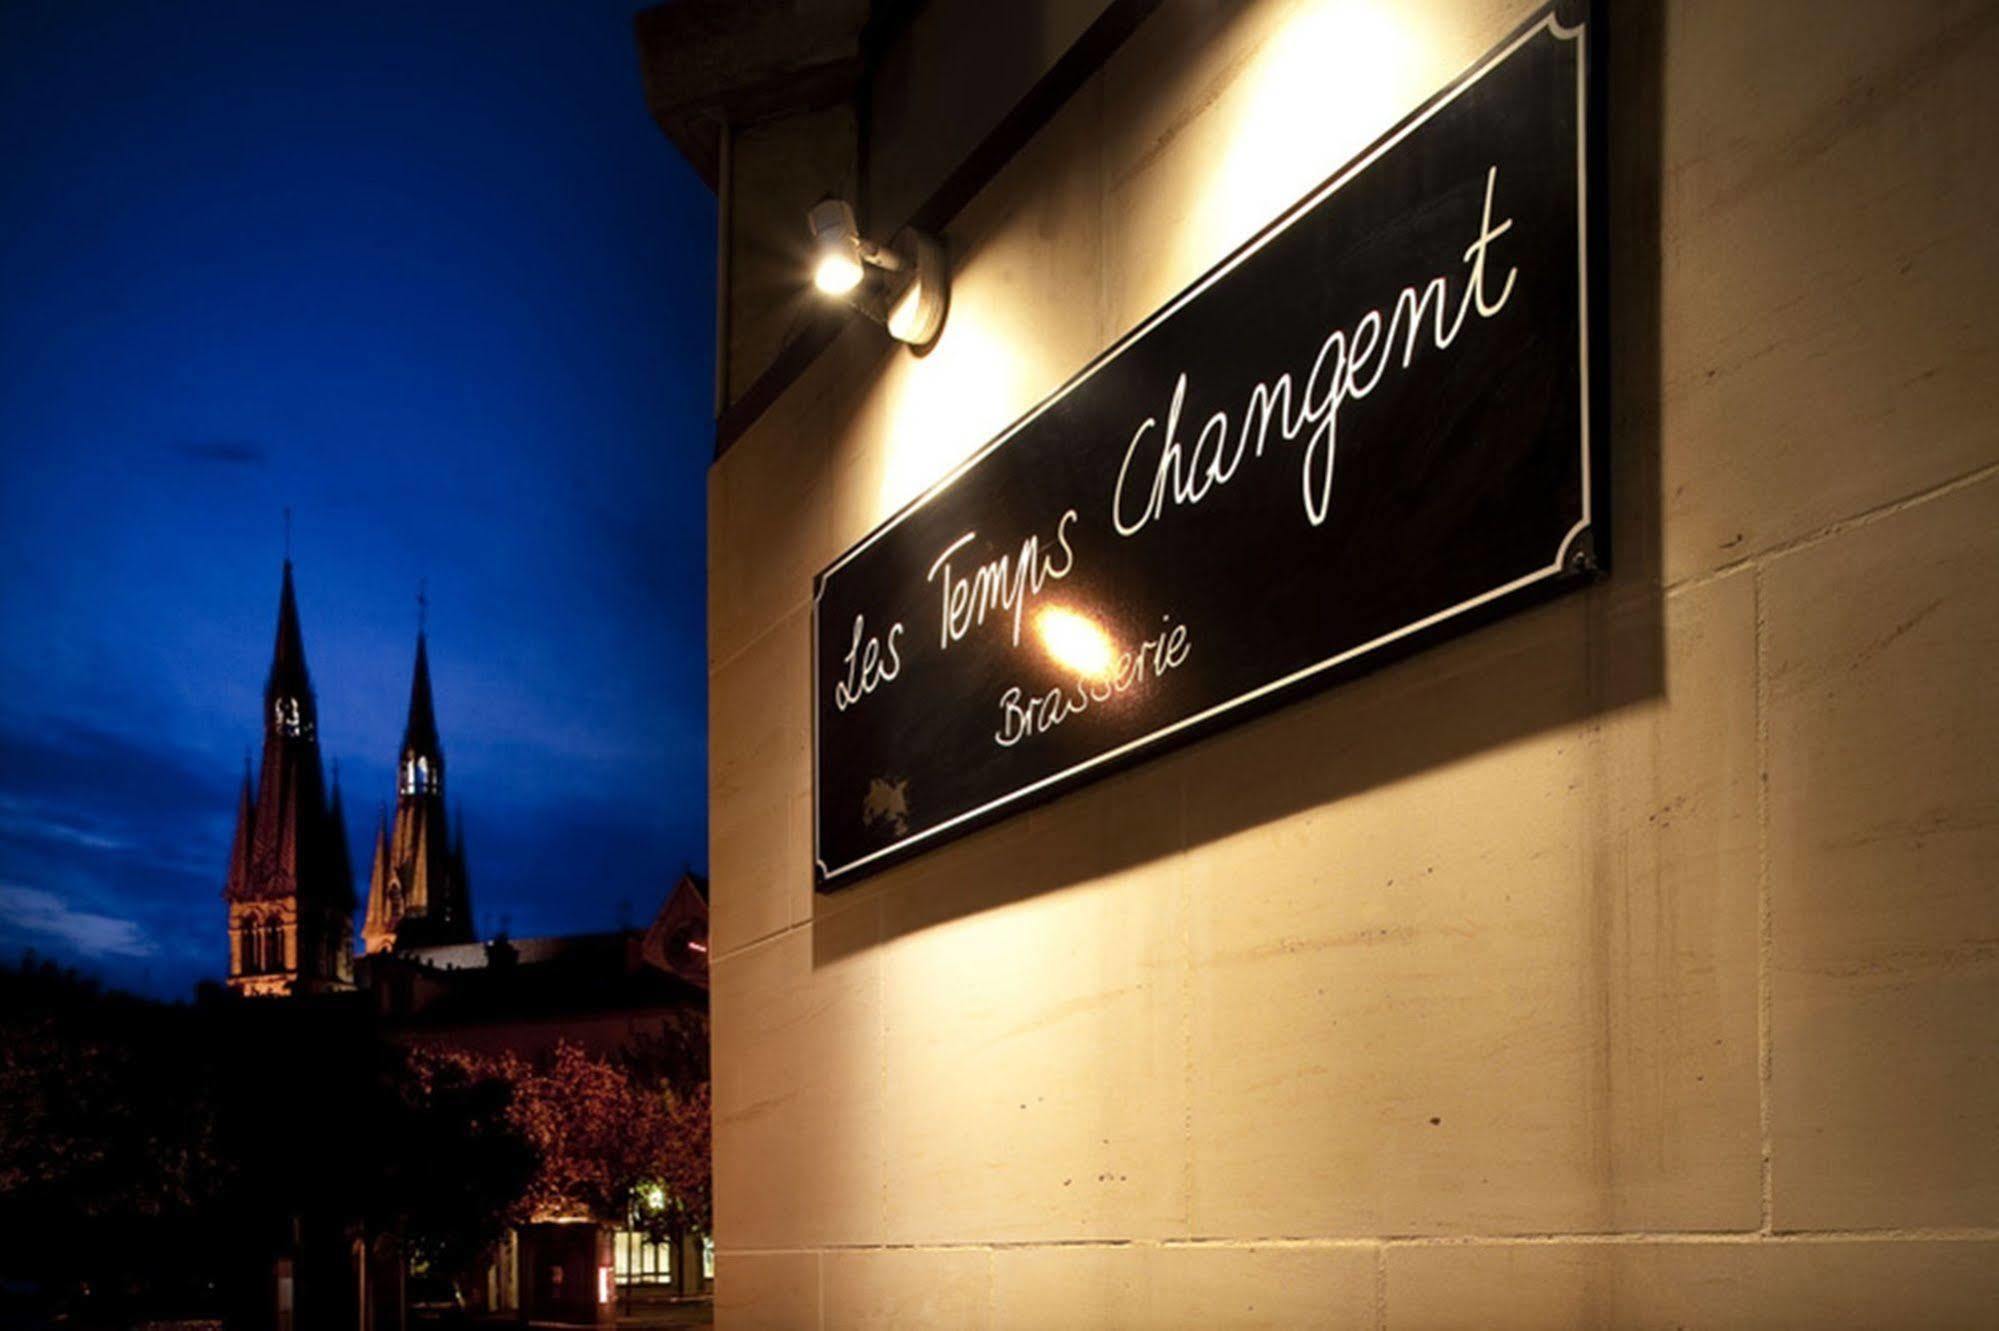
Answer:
(607, 1143)
(152, 1154)
(673, 1055)
(597, 1136)
(686, 1163)
(462, 1168)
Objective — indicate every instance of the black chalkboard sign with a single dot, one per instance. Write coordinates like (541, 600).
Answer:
(1368, 428)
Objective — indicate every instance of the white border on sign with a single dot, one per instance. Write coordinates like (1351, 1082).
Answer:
(1547, 24)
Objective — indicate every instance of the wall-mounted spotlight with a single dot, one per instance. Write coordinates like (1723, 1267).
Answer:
(913, 290)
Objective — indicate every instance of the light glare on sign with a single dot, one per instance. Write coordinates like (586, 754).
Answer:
(1076, 642)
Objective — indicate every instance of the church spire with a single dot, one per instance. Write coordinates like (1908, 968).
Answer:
(290, 894)
(378, 927)
(416, 894)
(237, 886)
(421, 766)
(289, 710)
(420, 731)
(288, 678)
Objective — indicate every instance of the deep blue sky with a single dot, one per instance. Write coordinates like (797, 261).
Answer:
(428, 274)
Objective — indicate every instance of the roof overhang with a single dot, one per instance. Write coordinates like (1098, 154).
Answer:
(711, 63)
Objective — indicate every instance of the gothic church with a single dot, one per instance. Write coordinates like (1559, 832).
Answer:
(290, 884)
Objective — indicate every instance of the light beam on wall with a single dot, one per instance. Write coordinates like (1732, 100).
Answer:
(1314, 91)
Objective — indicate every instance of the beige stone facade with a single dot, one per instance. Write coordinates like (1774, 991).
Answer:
(1633, 962)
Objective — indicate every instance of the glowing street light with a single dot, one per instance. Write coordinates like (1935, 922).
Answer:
(915, 290)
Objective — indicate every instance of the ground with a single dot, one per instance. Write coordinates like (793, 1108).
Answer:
(646, 1310)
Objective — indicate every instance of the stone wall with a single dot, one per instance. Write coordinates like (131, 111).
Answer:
(1633, 962)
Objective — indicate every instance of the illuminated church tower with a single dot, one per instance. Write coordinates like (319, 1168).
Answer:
(290, 889)
(417, 891)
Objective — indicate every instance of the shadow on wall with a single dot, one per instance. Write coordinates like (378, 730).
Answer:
(1558, 666)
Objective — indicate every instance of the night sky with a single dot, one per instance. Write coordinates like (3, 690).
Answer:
(428, 274)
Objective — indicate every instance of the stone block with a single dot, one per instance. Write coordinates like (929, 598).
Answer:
(766, 1291)
(1210, 1286)
(1464, 965)
(798, 1110)
(770, 522)
(1827, 339)
(1036, 1056)
(913, 1288)
(1883, 663)
(1736, 1285)
(1673, 847)
(759, 819)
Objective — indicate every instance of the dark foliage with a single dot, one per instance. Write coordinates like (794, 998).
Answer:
(675, 1056)
(462, 1167)
(154, 1158)
(110, 1151)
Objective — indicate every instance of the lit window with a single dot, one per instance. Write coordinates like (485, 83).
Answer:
(637, 1259)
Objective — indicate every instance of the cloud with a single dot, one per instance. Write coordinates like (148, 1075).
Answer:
(112, 848)
(25, 819)
(34, 911)
(225, 452)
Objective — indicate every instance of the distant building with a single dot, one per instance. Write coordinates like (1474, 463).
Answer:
(418, 890)
(606, 991)
(639, 996)
(290, 886)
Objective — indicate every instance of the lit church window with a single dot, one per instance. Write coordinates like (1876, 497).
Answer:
(418, 779)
